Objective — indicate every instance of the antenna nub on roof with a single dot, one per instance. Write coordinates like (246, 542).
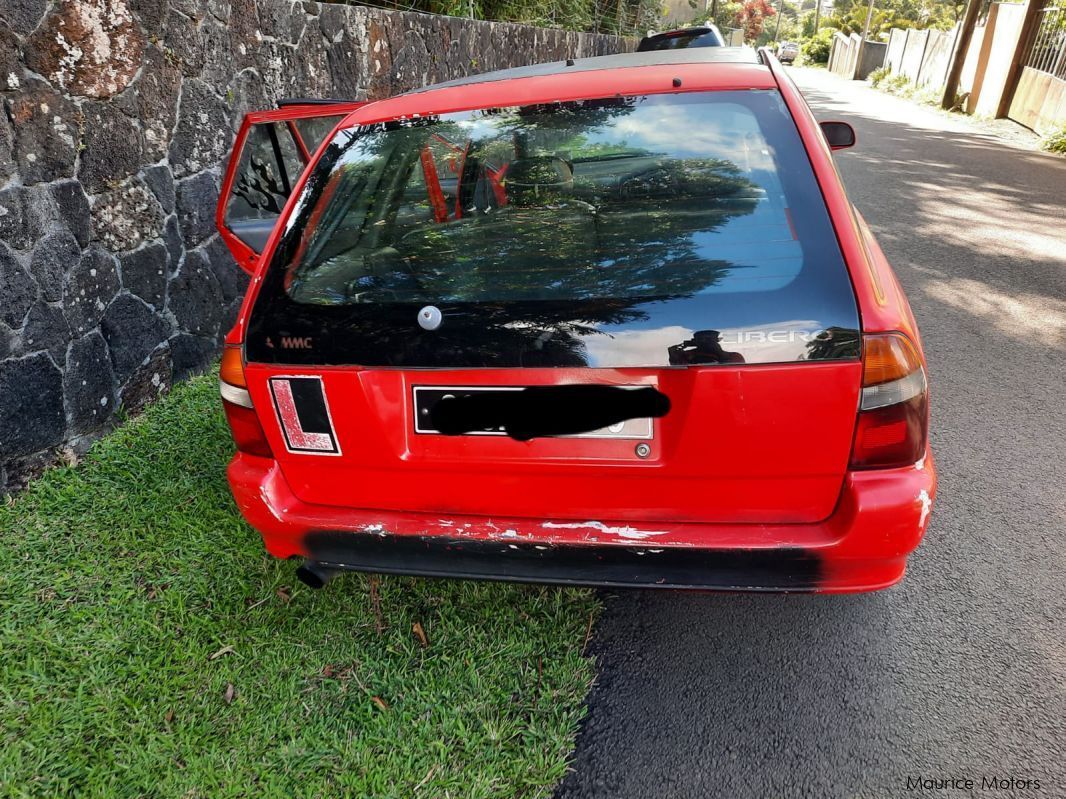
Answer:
(677, 83)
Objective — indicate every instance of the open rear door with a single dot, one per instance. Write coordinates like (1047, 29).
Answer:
(270, 154)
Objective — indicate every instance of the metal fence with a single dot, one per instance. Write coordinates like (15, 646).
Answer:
(1048, 53)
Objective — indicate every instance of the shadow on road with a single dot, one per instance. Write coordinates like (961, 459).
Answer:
(958, 670)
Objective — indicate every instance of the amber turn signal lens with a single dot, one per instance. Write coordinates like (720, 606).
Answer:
(232, 370)
(887, 357)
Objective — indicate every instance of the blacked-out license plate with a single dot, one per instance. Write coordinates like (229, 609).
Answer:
(426, 397)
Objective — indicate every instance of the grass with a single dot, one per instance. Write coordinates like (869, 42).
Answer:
(149, 647)
(900, 85)
(1055, 142)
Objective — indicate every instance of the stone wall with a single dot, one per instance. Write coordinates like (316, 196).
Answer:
(117, 118)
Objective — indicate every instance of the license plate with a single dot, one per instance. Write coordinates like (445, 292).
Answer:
(426, 397)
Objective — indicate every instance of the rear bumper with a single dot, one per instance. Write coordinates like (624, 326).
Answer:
(863, 546)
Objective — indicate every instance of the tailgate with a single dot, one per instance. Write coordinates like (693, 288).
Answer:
(675, 241)
(767, 444)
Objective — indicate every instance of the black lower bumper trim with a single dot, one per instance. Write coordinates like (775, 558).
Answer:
(779, 569)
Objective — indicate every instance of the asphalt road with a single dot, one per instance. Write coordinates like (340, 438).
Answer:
(960, 670)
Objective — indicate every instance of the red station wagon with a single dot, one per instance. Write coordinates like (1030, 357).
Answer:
(610, 321)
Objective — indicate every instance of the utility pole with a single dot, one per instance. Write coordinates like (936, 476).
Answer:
(817, 15)
(869, 19)
(862, 42)
(958, 58)
(780, 13)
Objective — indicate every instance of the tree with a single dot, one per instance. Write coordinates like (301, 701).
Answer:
(723, 14)
(752, 17)
(850, 15)
(817, 48)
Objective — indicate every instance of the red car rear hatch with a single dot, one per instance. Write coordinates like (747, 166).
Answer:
(668, 241)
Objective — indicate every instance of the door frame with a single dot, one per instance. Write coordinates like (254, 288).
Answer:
(246, 257)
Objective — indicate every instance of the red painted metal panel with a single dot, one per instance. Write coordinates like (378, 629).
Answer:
(741, 443)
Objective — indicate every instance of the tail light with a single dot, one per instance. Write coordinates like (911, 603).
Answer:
(893, 420)
(247, 433)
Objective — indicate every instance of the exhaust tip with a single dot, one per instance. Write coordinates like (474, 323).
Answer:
(315, 575)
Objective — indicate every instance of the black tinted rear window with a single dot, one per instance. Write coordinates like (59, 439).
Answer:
(673, 229)
(679, 41)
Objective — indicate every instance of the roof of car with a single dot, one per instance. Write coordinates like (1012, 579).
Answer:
(698, 55)
(651, 72)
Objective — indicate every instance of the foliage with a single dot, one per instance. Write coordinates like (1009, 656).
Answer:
(878, 75)
(896, 84)
(806, 25)
(725, 15)
(752, 16)
(1055, 141)
(749, 15)
(625, 17)
(786, 26)
(901, 86)
(816, 49)
(849, 16)
(151, 648)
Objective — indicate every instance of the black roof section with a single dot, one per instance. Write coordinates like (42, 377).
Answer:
(284, 102)
(692, 29)
(696, 55)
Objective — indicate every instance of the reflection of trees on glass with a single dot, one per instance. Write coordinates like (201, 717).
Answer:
(833, 343)
(606, 232)
(555, 122)
(567, 243)
(607, 260)
(555, 227)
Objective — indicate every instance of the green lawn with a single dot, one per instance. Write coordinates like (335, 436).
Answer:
(150, 647)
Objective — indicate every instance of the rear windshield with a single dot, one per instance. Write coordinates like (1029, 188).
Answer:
(679, 41)
(680, 230)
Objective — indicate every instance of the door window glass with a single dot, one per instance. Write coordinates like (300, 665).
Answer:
(314, 129)
(269, 167)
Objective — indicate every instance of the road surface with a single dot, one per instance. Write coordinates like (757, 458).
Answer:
(958, 672)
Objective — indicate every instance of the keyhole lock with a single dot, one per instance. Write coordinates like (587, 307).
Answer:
(430, 317)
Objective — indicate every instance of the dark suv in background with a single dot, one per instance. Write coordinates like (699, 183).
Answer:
(702, 36)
